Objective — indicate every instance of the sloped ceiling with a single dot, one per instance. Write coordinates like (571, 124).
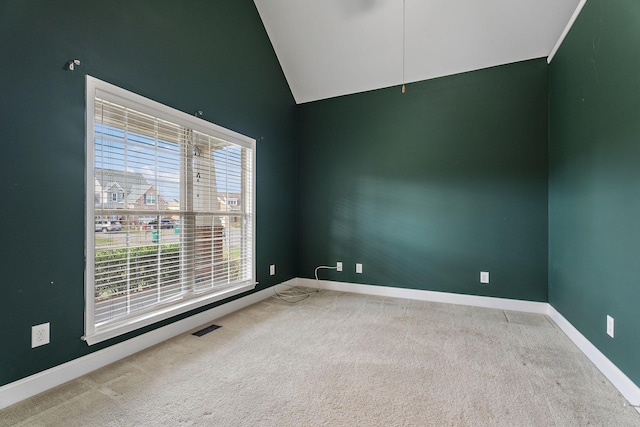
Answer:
(329, 48)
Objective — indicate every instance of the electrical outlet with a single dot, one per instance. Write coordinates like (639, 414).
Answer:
(358, 268)
(272, 270)
(610, 326)
(484, 277)
(39, 335)
(339, 266)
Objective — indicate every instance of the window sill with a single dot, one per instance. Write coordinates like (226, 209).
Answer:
(145, 319)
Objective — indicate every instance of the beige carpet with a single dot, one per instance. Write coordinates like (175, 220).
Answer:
(338, 359)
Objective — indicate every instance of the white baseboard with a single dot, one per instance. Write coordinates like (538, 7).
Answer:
(433, 296)
(45, 380)
(625, 386)
(620, 381)
(53, 377)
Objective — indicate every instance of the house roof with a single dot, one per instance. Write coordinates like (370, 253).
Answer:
(329, 48)
(133, 184)
(126, 180)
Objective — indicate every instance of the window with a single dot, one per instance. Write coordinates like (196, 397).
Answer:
(117, 196)
(149, 199)
(162, 259)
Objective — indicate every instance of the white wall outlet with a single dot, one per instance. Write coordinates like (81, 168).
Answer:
(339, 266)
(484, 277)
(39, 335)
(272, 269)
(358, 268)
(610, 326)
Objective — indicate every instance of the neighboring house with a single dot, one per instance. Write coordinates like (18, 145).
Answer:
(174, 205)
(145, 197)
(229, 202)
(126, 190)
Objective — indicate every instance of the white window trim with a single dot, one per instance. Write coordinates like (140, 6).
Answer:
(109, 92)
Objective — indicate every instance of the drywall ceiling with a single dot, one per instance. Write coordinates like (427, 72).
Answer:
(329, 48)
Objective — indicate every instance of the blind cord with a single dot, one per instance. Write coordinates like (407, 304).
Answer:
(296, 294)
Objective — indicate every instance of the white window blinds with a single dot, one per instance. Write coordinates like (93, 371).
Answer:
(166, 239)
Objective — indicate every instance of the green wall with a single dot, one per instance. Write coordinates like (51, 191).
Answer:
(192, 55)
(426, 189)
(594, 179)
(430, 187)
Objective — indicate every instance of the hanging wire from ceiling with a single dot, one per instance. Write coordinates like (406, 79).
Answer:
(404, 14)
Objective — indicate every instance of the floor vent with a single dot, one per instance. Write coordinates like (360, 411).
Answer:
(206, 330)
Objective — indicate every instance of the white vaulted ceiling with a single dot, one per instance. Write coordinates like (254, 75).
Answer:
(329, 48)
